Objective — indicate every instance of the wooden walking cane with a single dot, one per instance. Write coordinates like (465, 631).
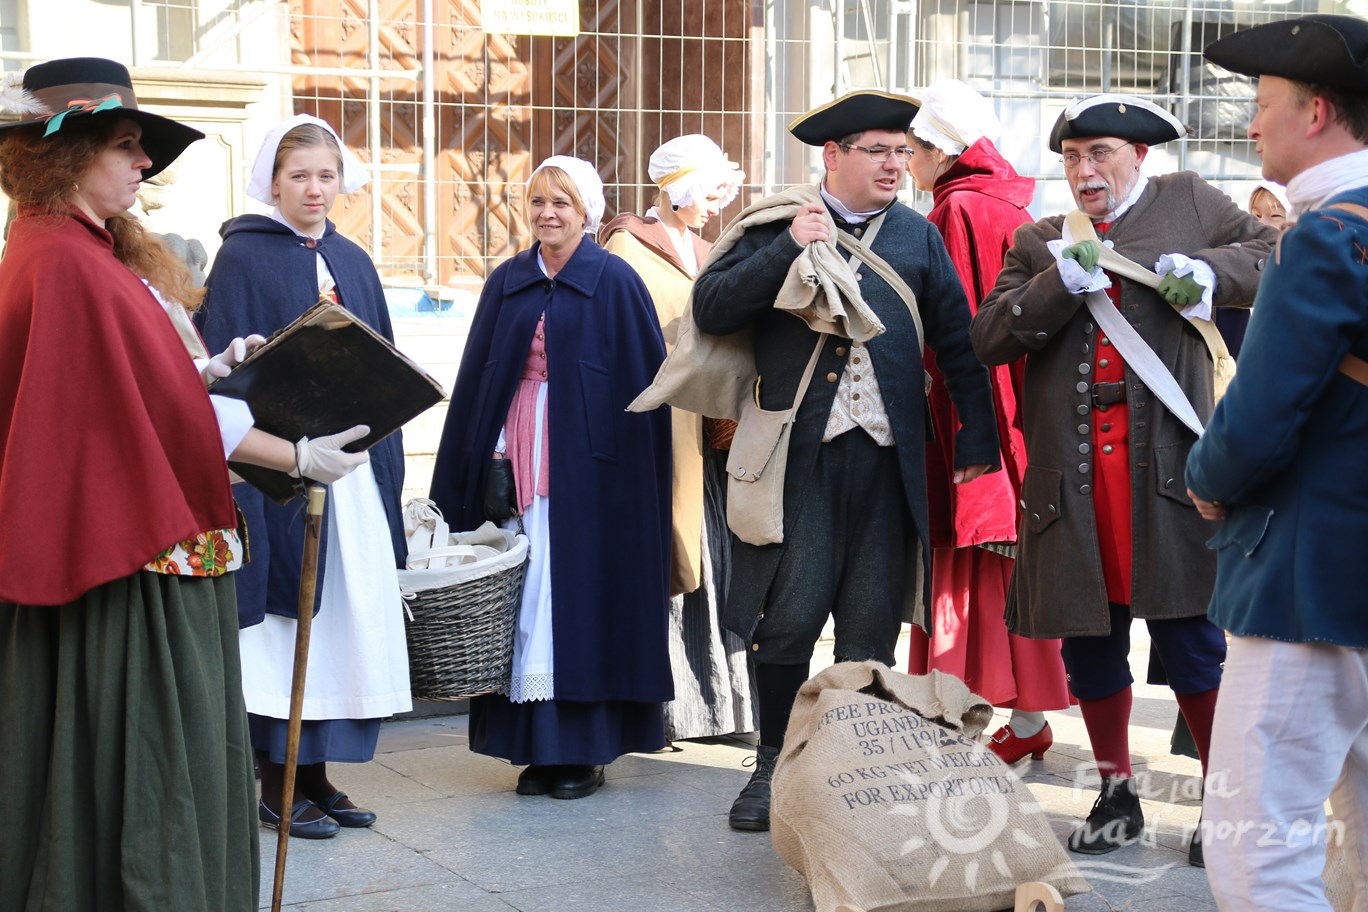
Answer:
(308, 583)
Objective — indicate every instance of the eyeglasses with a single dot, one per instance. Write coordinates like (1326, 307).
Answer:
(878, 155)
(1072, 160)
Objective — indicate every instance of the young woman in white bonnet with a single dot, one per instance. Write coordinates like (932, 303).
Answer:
(270, 269)
(713, 686)
(563, 339)
(1267, 203)
(978, 201)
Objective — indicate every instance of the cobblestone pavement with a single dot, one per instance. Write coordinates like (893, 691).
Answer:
(452, 835)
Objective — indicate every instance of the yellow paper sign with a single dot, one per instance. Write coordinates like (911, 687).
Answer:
(530, 17)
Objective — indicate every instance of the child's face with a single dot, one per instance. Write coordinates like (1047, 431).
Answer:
(1268, 210)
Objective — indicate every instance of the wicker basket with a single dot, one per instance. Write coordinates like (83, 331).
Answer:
(460, 631)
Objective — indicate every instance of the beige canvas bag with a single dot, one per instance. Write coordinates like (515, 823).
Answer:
(758, 462)
(883, 802)
(715, 375)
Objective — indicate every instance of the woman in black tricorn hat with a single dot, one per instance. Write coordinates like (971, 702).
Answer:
(127, 776)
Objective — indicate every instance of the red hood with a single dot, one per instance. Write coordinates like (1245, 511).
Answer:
(982, 169)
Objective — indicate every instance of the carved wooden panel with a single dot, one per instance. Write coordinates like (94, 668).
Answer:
(504, 103)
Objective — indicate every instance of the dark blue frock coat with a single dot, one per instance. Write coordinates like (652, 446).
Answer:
(1285, 447)
(739, 289)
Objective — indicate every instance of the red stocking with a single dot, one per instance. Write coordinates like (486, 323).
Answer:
(1108, 724)
(1197, 710)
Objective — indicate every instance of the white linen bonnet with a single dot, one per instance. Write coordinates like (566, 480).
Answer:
(586, 180)
(690, 167)
(354, 175)
(953, 117)
(1278, 191)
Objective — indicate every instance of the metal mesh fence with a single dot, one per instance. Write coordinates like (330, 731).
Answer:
(452, 119)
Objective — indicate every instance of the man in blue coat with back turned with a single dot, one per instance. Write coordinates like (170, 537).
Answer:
(854, 500)
(1281, 467)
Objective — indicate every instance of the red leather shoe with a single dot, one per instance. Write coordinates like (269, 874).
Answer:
(1010, 748)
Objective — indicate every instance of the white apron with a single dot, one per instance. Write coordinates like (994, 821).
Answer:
(358, 658)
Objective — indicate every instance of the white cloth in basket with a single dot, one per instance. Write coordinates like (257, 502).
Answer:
(438, 558)
(432, 545)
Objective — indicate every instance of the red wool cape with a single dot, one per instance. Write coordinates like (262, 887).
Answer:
(979, 202)
(109, 448)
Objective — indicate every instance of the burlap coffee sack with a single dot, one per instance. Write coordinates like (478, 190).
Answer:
(883, 802)
(1339, 874)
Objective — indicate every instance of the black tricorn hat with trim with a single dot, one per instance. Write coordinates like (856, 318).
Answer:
(1323, 50)
(854, 112)
(51, 92)
(1123, 116)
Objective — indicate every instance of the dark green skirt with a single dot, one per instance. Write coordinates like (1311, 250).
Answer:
(126, 776)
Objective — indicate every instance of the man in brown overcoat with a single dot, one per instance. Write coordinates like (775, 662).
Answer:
(1108, 533)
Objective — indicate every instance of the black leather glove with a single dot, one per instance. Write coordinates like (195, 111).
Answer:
(501, 494)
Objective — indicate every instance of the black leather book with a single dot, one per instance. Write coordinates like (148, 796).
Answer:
(326, 372)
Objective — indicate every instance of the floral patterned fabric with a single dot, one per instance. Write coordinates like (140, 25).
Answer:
(212, 553)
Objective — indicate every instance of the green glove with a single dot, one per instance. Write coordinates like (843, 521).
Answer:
(1085, 252)
(1180, 291)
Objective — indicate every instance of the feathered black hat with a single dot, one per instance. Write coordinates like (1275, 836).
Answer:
(50, 93)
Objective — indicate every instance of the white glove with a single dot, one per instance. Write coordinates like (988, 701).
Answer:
(323, 459)
(222, 364)
(1075, 278)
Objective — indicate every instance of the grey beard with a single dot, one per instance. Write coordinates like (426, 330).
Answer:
(1112, 201)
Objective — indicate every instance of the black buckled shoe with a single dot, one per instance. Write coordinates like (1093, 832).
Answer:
(537, 780)
(750, 811)
(1196, 856)
(1116, 820)
(346, 816)
(317, 828)
(577, 781)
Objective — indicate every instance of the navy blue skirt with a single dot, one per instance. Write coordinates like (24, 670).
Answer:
(550, 732)
(320, 740)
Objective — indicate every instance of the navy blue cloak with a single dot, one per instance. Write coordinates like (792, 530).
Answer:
(609, 469)
(265, 276)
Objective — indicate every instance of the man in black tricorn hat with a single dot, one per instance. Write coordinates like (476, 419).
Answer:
(1117, 385)
(854, 494)
(1281, 467)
